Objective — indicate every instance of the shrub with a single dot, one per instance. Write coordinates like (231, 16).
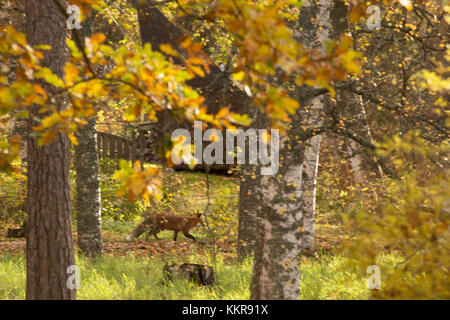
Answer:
(113, 207)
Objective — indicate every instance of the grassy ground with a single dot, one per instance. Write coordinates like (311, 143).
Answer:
(139, 277)
(134, 270)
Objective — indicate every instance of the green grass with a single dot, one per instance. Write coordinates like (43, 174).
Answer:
(12, 276)
(130, 277)
(119, 227)
(330, 278)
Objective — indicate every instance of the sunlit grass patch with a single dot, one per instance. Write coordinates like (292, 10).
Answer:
(139, 277)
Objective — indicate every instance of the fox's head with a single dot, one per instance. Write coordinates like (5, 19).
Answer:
(198, 218)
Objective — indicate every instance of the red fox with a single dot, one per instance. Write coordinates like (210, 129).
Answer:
(157, 223)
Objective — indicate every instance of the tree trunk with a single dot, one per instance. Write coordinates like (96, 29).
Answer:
(49, 234)
(364, 165)
(351, 105)
(279, 227)
(86, 163)
(309, 168)
(312, 35)
(248, 197)
(287, 197)
(88, 200)
(247, 212)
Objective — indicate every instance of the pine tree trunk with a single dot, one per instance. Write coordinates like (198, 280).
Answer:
(49, 234)
(86, 163)
(248, 197)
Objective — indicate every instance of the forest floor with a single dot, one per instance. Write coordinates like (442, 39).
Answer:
(192, 187)
(115, 244)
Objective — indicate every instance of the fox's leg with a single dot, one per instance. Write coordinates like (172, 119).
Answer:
(186, 234)
(149, 230)
(155, 232)
(175, 234)
(148, 234)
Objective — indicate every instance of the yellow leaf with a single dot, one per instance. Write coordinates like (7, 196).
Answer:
(73, 139)
(222, 113)
(197, 70)
(97, 38)
(167, 49)
(356, 13)
(71, 72)
(47, 137)
(238, 76)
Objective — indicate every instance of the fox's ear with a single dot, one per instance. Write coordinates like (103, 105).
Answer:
(198, 213)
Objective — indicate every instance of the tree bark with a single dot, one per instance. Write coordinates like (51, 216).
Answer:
(363, 164)
(309, 170)
(248, 197)
(12, 13)
(279, 221)
(247, 212)
(86, 163)
(312, 35)
(49, 235)
(285, 199)
(88, 199)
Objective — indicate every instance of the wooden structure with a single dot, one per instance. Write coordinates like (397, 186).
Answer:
(111, 146)
(141, 147)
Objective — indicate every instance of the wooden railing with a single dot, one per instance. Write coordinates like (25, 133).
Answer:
(139, 147)
(116, 147)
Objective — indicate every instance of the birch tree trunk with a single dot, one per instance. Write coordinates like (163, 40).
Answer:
(248, 197)
(351, 105)
(49, 229)
(308, 184)
(364, 165)
(12, 13)
(278, 228)
(88, 199)
(312, 35)
(86, 163)
(288, 196)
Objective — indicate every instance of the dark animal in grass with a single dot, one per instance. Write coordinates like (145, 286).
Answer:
(198, 273)
(17, 232)
(159, 222)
